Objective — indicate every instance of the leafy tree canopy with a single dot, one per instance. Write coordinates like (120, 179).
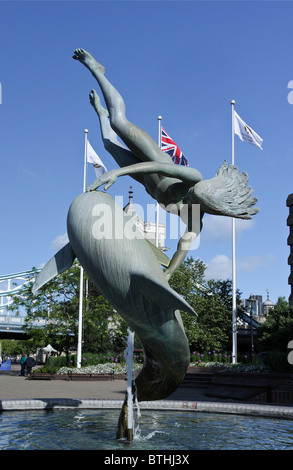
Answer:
(56, 307)
(212, 301)
(276, 332)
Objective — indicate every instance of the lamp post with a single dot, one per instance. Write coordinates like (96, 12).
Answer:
(251, 300)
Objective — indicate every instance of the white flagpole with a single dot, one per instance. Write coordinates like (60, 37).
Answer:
(234, 306)
(79, 340)
(157, 209)
(85, 159)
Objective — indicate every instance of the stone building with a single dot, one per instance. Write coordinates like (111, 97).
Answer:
(259, 308)
(267, 305)
(147, 229)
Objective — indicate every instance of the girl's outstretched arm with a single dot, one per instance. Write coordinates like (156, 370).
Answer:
(187, 175)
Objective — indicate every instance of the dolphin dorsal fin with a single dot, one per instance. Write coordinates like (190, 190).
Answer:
(163, 259)
(162, 293)
(60, 262)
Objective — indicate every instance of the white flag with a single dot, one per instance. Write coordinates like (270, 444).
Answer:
(93, 158)
(245, 133)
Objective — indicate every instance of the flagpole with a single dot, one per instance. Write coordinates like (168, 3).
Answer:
(85, 159)
(79, 340)
(234, 305)
(157, 209)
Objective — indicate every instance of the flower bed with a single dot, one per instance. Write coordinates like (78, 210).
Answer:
(115, 368)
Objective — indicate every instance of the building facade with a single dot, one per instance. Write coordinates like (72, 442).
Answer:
(147, 229)
(258, 308)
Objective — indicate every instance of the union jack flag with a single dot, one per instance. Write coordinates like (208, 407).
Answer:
(168, 145)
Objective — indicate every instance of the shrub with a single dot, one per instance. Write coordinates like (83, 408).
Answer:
(89, 360)
(210, 357)
(48, 369)
(277, 362)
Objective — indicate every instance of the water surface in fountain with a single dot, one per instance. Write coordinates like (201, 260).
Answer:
(76, 429)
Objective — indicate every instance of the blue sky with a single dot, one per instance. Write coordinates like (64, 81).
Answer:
(184, 60)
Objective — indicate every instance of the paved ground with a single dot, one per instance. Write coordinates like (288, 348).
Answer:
(17, 392)
(15, 387)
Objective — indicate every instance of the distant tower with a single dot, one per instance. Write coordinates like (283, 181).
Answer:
(289, 203)
(148, 230)
(267, 305)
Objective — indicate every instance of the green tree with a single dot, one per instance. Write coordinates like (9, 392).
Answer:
(189, 279)
(223, 289)
(50, 312)
(10, 347)
(103, 327)
(212, 301)
(56, 305)
(276, 332)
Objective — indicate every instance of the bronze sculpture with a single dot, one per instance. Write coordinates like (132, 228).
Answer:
(173, 186)
(126, 269)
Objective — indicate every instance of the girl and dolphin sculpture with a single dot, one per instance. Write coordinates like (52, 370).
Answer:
(120, 262)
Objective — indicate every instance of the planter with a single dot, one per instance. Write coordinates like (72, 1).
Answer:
(244, 386)
(87, 376)
(40, 376)
(69, 376)
(205, 370)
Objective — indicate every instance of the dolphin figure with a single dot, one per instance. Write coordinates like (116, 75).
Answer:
(127, 271)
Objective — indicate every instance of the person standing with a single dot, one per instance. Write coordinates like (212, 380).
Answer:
(30, 363)
(22, 365)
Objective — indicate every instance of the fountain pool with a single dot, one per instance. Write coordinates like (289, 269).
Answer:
(76, 429)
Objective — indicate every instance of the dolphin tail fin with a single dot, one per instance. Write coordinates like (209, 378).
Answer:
(163, 294)
(60, 262)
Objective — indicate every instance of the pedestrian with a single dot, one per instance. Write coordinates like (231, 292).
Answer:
(22, 364)
(30, 363)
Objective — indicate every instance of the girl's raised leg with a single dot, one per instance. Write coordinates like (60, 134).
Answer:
(122, 155)
(137, 140)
